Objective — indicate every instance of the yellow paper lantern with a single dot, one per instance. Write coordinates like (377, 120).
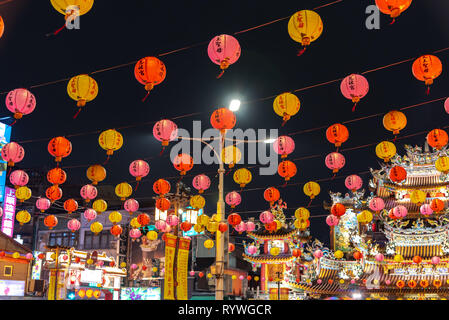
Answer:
(123, 265)
(208, 244)
(365, 217)
(209, 275)
(338, 254)
(442, 164)
(418, 197)
(82, 89)
(197, 202)
(342, 281)
(89, 261)
(398, 258)
(301, 224)
(89, 293)
(154, 269)
(96, 173)
(82, 293)
(96, 227)
(274, 251)
(256, 278)
(97, 293)
(123, 190)
(234, 277)
(286, 105)
(62, 5)
(386, 150)
(302, 213)
(23, 193)
(395, 121)
(110, 140)
(231, 155)
(16, 255)
(311, 189)
(242, 177)
(215, 218)
(278, 224)
(203, 220)
(305, 26)
(135, 223)
(23, 217)
(212, 226)
(198, 228)
(115, 217)
(100, 206)
(152, 235)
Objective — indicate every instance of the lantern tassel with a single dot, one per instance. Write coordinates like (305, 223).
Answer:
(283, 123)
(301, 52)
(162, 151)
(146, 96)
(337, 149)
(285, 184)
(137, 186)
(333, 177)
(353, 108)
(77, 113)
(428, 90)
(106, 161)
(221, 74)
(395, 137)
(180, 178)
(310, 202)
(393, 21)
(13, 123)
(9, 171)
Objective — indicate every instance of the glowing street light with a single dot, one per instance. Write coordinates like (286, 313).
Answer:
(270, 141)
(234, 105)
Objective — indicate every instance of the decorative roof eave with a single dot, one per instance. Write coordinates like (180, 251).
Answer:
(268, 259)
(273, 236)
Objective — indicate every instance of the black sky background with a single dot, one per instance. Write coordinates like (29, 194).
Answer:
(117, 32)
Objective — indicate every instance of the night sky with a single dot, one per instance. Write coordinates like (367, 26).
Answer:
(119, 32)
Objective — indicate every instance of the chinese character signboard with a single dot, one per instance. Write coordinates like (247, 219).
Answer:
(169, 284)
(183, 262)
(5, 136)
(9, 211)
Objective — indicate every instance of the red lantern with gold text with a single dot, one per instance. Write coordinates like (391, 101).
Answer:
(56, 176)
(393, 7)
(143, 219)
(437, 205)
(437, 139)
(338, 209)
(271, 195)
(186, 226)
(337, 134)
(53, 193)
(59, 148)
(222, 227)
(70, 205)
(161, 187)
(296, 253)
(163, 204)
(150, 71)
(417, 259)
(234, 219)
(287, 170)
(223, 119)
(272, 226)
(51, 221)
(183, 163)
(116, 230)
(358, 255)
(427, 68)
(398, 174)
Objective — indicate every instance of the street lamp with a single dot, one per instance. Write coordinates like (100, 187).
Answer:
(270, 141)
(234, 105)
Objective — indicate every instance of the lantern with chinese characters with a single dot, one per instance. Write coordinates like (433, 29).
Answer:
(83, 89)
(131, 205)
(224, 50)
(332, 220)
(437, 205)
(234, 219)
(437, 139)
(110, 140)
(301, 224)
(250, 226)
(70, 205)
(116, 230)
(160, 225)
(18, 178)
(143, 219)
(241, 227)
(163, 204)
(271, 195)
(73, 225)
(398, 174)
(386, 150)
(100, 206)
(335, 161)
(23, 217)
(201, 182)
(395, 121)
(123, 190)
(357, 255)
(115, 217)
(59, 148)
(150, 71)
(393, 8)
(400, 212)
(197, 202)
(231, 155)
(88, 192)
(284, 145)
(365, 217)
(302, 213)
(287, 169)
(90, 214)
(96, 173)
(266, 217)
(223, 119)
(338, 209)
(139, 169)
(242, 177)
(305, 26)
(172, 220)
(96, 227)
(134, 223)
(418, 197)
(311, 189)
(208, 244)
(233, 199)
(337, 134)
(426, 209)
(427, 68)
(23, 193)
(12, 153)
(50, 221)
(186, 226)
(442, 164)
(43, 204)
(56, 176)
(376, 204)
(353, 182)
(20, 102)
(354, 87)
(183, 163)
(286, 105)
(417, 259)
(165, 131)
(161, 187)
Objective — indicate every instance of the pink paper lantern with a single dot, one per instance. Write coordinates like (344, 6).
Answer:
(354, 87)
(250, 226)
(29, 256)
(400, 212)
(165, 131)
(332, 220)
(43, 204)
(90, 214)
(134, 266)
(73, 225)
(335, 161)
(18, 178)
(100, 263)
(241, 227)
(319, 281)
(266, 217)
(192, 273)
(20, 102)
(435, 260)
(252, 249)
(379, 257)
(12, 153)
(88, 192)
(376, 204)
(387, 282)
(201, 182)
(135, 233)
(353, 182)
(167, 228)
(426, 210)
(352, 281)
(318, 254)
(446, 105)
(172, 220)
(224, 50)
(233, 199)
(139, 169)
(241, 277)
(160, 225)
(131, 205)
(284, 145)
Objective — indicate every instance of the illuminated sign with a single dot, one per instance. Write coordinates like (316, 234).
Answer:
(37, 267)
(12, 288)
(9, 211)
(191, 216)
(92, 276)
(150, 293)
(5, 137)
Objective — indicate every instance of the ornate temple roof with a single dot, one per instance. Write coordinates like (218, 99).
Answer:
(268, 258)
(262, 233)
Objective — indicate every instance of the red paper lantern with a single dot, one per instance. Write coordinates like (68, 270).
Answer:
(287, 169)
(398, 174)
(231, 247)
(50, 221)
(143, 219)
(437, 205)
(70, 205)
(337, 134)
(417, 259)
(437, 138)
(183, 163)
(223, 119)
(222, 227)
(116, 230)
(163, 204)
(161, 187)
(358, 255)
(59, 148)
(338, 209)
(56, 176)
(271, 195)
(186, 226)
(234, 219)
